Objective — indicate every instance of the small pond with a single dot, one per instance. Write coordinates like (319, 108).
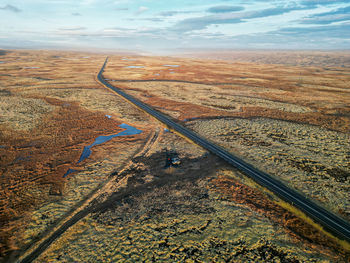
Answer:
(135, 67)
(129, 130)
(173, 66)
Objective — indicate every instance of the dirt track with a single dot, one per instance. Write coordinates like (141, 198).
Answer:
(86, 207)
(214, 214)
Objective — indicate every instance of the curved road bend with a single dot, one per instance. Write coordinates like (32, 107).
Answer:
(331, 222)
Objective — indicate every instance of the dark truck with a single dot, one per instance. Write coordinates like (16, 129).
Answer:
(172, 159)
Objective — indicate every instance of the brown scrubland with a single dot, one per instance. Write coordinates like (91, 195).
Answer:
(286, 113)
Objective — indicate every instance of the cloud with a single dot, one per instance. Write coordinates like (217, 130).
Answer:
(78, 28)
(199, 23)
(168, 13)
(334, 31)
(325, 20)
(203, 22)
(88, 2)
(320, 37)
(261, 24)
(341, 14)
(224, 9)
(272, 12)
(141, 10)
(121, 9)
(151, 19)
(172, 13)
(313, 3)
(11, 8)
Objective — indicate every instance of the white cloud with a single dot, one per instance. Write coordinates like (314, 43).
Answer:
(88, 2)
(141, 10)
(72, 28)
(11, 8)
(199, 23)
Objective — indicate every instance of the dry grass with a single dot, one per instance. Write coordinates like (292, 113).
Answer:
(314, 95)
(309, 152)
(291, 121)
(302, 131)
(294, 58)
(52, 109)
(206, 219)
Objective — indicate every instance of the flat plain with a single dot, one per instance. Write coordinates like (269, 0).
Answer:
(288, 117)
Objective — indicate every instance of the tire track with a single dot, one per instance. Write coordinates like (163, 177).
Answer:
(84, 208)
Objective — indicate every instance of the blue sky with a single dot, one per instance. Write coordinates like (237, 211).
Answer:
(155, 25)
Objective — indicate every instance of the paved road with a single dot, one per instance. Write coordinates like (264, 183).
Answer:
(331, 222)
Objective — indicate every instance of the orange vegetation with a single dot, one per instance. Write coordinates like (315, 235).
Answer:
(233, 190)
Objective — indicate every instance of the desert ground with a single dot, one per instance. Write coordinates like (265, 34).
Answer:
(289, 117)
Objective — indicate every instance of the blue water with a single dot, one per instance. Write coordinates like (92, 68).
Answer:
(135, 67)
(108, 116)
(70, 171)
(174, 66)
(129, 130)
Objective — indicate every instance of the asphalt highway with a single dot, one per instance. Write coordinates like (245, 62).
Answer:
(329, 221)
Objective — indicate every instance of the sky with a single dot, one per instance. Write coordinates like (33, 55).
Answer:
(158, 25)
